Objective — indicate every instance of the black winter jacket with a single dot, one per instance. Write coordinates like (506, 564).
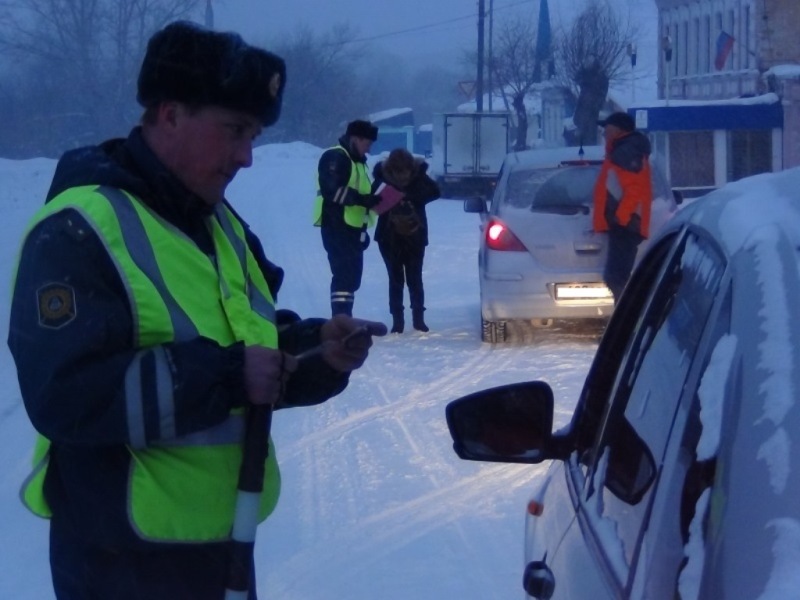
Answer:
(334, 170)
(419, 192)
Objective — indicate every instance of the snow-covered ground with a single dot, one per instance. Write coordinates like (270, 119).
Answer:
(375, 504)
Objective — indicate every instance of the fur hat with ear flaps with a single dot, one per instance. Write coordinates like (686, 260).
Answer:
(200, 67)
(362, 129)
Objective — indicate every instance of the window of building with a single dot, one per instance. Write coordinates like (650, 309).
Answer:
(706, 37)
(748, 59)
(685, 48)
(676, 49)
(691, 157)
(749, 153)
(696, 46)
(732, 62)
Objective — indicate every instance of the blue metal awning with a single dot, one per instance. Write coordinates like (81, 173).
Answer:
(709, 117)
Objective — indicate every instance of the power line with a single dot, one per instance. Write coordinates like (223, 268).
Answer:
(470, 17)
(412, 29)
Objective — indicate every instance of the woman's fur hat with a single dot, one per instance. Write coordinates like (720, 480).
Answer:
(399, 167)
(200, 67)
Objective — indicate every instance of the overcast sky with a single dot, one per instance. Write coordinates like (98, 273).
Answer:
(432, 31)
(411, 27)
(438, 29)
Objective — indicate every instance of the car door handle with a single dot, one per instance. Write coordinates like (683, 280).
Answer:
(539, 580)
(587, 247)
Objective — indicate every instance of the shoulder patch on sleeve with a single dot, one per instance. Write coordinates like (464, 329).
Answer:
(75, 230)
(56, 302)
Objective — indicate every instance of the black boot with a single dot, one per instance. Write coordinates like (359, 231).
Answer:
(398, 323)
(419, 322)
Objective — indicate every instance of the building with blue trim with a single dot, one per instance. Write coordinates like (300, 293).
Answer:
(729, 90)
(396, 129)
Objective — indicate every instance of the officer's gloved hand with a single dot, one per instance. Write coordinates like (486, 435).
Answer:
(368, 200)
(266, 372)
(364, 240)
(346, 341)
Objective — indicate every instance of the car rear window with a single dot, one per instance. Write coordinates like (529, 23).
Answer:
(551, 189)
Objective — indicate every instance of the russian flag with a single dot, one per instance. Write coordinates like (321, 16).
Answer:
(724, 46)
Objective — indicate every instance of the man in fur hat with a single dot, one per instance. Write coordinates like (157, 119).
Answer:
(342, 210)
(143, 326)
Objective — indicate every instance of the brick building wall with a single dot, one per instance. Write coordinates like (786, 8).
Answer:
(765, 31)
(778, 31)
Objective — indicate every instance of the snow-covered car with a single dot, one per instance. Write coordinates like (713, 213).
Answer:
(539, 258)
(678, 475)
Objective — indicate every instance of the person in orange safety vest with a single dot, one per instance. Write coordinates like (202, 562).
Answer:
(622, 197)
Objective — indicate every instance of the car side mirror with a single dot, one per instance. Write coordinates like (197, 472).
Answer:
(512, 423)
(475, 205)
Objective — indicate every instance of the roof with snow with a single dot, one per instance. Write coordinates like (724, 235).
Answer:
(393, 117)
(785, 71)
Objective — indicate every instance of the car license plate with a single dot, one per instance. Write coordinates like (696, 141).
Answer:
(582, 291)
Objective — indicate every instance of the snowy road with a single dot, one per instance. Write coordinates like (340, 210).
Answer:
(377, 494)
(375, 504)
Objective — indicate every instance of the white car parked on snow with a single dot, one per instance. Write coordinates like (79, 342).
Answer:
(539, 257)
(679, 473)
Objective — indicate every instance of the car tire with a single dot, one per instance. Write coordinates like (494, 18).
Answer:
(493, 331)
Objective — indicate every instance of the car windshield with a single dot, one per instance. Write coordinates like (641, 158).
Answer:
(551, 189)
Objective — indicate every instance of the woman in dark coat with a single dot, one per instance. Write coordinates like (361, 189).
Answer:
(402, 232)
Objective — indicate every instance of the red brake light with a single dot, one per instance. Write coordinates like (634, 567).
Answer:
(499, 237)
(535, 508)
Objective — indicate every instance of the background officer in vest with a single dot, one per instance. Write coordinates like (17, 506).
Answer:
(143, 324)
(623, 194)
(341, 210)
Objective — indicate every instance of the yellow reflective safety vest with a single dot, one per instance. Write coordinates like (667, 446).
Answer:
(355, 216)
(181, 489)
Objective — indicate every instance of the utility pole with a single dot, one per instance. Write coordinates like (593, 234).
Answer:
(632, 54)
(209, 15)
(544, 45)
(491, 56)
(479, 79)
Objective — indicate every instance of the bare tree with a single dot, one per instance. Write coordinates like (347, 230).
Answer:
(84, 55)
(323, 89)
(73, 77)
(591, 55)
(515, 68)
(432, 90)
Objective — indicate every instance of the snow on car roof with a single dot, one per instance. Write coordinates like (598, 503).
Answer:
(733, 213)
(553, 156)
(757, 222)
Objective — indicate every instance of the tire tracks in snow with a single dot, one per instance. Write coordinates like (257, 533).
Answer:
(391, 408)
(404, 417)
(439, 509)
(342, 473)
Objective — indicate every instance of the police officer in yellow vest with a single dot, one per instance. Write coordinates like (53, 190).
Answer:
(342, 210)
(143, 323)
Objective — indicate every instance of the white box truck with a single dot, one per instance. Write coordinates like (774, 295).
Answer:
(467, 152)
